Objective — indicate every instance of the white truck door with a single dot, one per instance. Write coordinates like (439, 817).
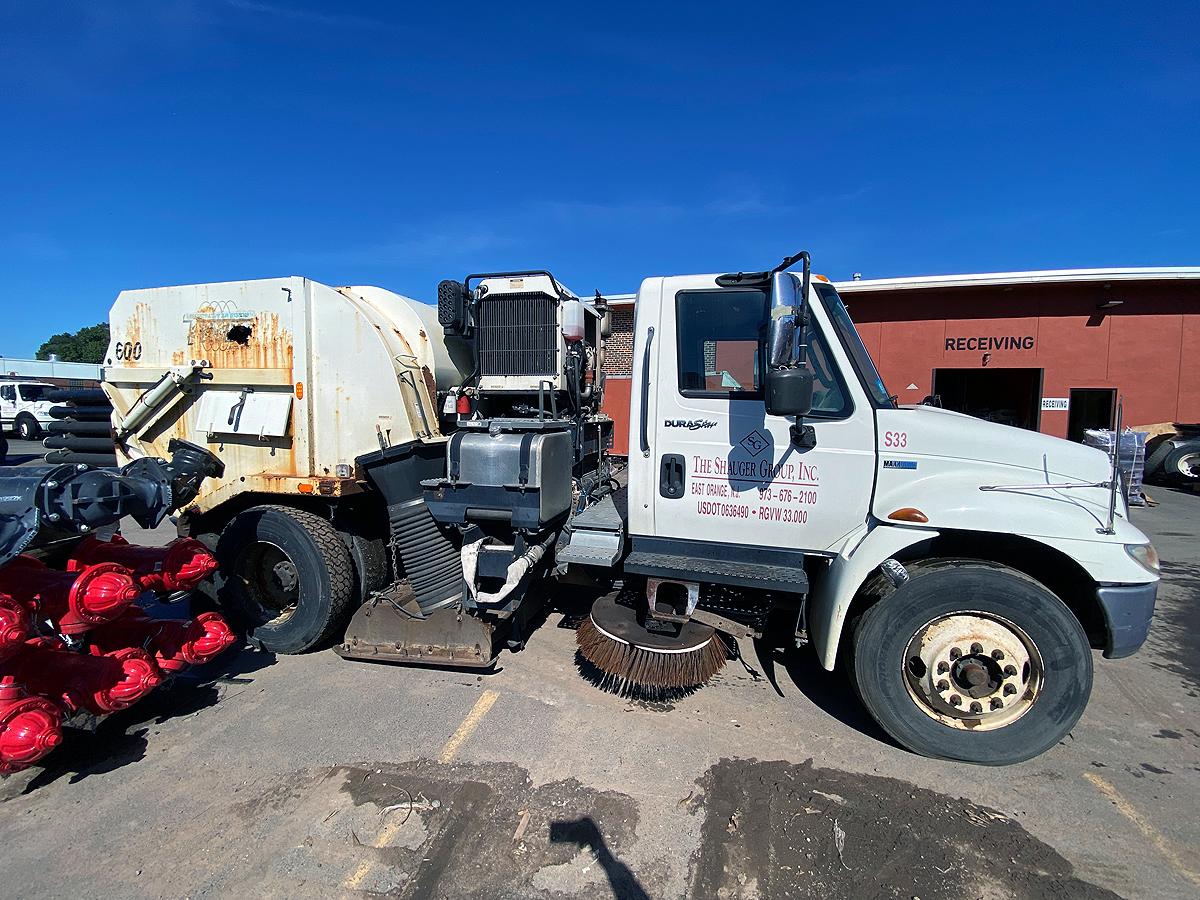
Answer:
(723, 471)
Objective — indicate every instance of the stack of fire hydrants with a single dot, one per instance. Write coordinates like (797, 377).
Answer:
(74, 639)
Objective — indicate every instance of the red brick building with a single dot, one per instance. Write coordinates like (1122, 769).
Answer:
(1050, 351)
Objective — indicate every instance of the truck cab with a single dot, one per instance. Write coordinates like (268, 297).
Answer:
(930, 551)
(25, 407)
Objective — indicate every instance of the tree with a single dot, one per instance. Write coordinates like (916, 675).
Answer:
(87, 345)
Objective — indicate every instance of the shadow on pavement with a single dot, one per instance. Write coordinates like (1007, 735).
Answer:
(583, 833)
(831, 692)
(120, 739)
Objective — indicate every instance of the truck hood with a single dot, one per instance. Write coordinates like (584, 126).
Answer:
(934, 463)
(942, 433)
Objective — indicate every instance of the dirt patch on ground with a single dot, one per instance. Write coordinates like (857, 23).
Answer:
(776, 829)
(423, 829)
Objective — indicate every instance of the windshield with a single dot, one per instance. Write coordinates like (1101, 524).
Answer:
(848, 335)
(34, 391)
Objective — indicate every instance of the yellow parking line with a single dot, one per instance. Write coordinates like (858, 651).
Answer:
(1152, 834)
(388, 833)
(385, 837)
(485, 702)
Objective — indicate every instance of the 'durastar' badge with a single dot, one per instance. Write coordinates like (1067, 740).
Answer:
(689, 424)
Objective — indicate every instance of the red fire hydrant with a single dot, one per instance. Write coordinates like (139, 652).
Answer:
(174, 644)
(30, 727)
(179, 566)
(99, 683)
(73, 601)
(14, 626)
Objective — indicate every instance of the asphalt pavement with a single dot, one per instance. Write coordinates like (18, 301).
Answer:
(23, 453)
(312, 776)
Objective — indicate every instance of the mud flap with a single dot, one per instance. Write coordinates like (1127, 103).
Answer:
(392, 628)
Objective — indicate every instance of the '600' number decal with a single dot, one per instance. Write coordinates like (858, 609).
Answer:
(129, 350)
(895, 439)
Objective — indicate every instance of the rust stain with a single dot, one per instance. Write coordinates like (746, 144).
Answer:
(404, 341)
(430, 384)
(140, 328)
(269, 345)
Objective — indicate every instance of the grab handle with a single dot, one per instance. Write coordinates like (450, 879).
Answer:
(646, 393)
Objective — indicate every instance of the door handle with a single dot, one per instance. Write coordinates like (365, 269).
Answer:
(235, 411)
(671, 476)
(645, 433)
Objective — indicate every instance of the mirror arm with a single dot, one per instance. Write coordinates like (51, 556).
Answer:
(804, 437)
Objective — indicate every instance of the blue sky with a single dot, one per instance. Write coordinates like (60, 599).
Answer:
(172, 141)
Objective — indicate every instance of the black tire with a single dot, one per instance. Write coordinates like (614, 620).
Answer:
(286, 575)
(1182, 465)
(27, 428)
(882, 644)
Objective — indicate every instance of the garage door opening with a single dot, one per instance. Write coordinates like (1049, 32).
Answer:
(1007, 396)
(1090, 408)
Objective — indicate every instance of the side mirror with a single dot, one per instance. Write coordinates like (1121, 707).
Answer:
(789, 392)
(787, 314)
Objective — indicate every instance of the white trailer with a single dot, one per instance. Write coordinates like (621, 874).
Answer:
(963, 570)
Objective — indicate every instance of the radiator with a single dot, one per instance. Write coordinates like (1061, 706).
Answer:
(518, 335)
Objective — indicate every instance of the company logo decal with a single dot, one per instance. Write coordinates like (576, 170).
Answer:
(221, 310)
(899, 463)
(690, 424)
(755, 442)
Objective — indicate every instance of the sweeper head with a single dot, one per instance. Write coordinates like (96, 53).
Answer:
(619, 654)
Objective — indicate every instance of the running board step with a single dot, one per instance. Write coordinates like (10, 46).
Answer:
(764, 576)
(597, 536)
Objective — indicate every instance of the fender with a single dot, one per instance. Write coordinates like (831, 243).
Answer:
(830, 600)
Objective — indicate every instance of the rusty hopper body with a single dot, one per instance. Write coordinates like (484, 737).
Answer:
(288, 380)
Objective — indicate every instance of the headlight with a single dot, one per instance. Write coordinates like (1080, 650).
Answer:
(1145, 555)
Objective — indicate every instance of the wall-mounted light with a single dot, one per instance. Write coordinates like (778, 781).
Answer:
(1109, 304)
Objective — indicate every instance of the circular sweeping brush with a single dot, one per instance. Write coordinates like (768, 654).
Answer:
(618, 655)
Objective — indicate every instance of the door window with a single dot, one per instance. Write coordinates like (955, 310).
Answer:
(722, 341)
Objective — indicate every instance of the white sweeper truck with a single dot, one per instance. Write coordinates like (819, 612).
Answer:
(412, 483)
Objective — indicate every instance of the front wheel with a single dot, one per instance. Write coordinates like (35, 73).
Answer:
(973, 662)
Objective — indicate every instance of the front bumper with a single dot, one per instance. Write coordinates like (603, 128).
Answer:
(1128, 609)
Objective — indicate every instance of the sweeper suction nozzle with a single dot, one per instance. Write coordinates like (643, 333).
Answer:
(618, 654)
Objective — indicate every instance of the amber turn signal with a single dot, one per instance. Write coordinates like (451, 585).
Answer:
(908, 514)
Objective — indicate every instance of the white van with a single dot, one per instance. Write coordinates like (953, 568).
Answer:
(25, 407)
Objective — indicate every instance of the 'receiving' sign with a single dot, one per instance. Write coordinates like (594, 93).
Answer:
(991, 342)
(1050, 404)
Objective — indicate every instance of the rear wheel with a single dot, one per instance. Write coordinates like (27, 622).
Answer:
(287, 575)
(1183, 465)
(974, 662)
(27, 427)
